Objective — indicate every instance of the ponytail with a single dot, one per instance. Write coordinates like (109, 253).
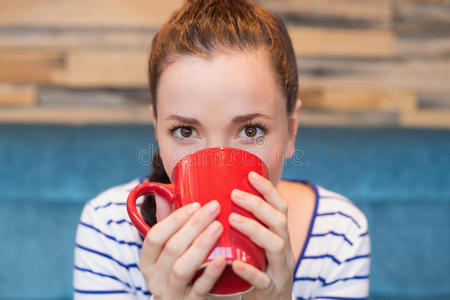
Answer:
(148, 208)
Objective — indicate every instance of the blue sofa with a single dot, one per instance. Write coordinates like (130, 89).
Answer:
(399, 177)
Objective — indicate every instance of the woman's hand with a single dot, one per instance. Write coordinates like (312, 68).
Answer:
(276, 282)
(174, 249)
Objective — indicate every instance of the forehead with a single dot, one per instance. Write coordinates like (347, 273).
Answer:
(231, 83)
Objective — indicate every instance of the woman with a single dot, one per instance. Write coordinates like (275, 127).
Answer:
(224, 73)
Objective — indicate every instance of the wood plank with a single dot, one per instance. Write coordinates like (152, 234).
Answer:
(431, 118)
(420, 16)
(75, 39)
(17, 95)
(426, 1)
(341, 99)
(85, 13)
(76, 115)
(423, 46)
(75, 68)
(54, 96)
(434, 100)
(23, 66)
(341, 42)
(99, 68)
(360, 13)
(419, 75)
(347, 119)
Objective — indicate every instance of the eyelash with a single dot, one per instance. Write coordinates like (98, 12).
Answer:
(175, 127)
(257, 124)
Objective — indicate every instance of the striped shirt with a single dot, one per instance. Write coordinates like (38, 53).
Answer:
(334, 262)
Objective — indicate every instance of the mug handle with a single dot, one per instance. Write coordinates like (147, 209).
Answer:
(162, 189)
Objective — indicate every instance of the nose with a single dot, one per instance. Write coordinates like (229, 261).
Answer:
(217, 145)
(217, 142)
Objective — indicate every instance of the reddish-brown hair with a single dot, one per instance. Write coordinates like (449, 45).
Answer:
(208, 27)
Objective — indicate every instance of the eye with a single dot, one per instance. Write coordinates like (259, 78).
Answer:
(253, 131)
(250, 131)
(186, 131)
(182, 132)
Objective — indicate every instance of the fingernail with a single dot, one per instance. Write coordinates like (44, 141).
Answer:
(192, 208)
(214, 228)
(254, 175)
(234, 217)
(238, 194)
(240, 265)
(212, 208)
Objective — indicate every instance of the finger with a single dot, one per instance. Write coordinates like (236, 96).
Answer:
(273, 245)
(184, 268)
(184, 237)
(164, 229)
(265, 212)
(206, 281)
(260, 280)
(270, 193)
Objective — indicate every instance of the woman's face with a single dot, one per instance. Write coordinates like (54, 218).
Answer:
(232, 100)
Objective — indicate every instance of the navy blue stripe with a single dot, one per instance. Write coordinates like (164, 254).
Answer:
(346, 279)
(307, 278)
(324, 283)
(339, 213)
(323, 256)
(114, 278)
(339, 298)
(129, 266)
(333, 233)
(137, 288)
(111, 237)
(100, 292)
(334, 258)
(364, 234)
(102, 275)
(118, 222)
(357, 257)
(113, 203)
(107, 205)
(331, 298)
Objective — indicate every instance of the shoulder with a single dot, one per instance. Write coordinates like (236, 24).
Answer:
(105, 217)
(111, 202)
(327, 207)
(336, 210)
(106, 211)
(340, 232)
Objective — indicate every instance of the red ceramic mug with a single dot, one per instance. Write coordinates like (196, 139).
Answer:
(202, 176)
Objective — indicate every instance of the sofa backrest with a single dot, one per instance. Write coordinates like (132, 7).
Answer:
(399, 177)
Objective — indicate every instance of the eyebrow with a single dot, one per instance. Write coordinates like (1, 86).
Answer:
(236, 119)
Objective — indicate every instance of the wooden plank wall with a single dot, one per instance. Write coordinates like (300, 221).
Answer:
(362, 63)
